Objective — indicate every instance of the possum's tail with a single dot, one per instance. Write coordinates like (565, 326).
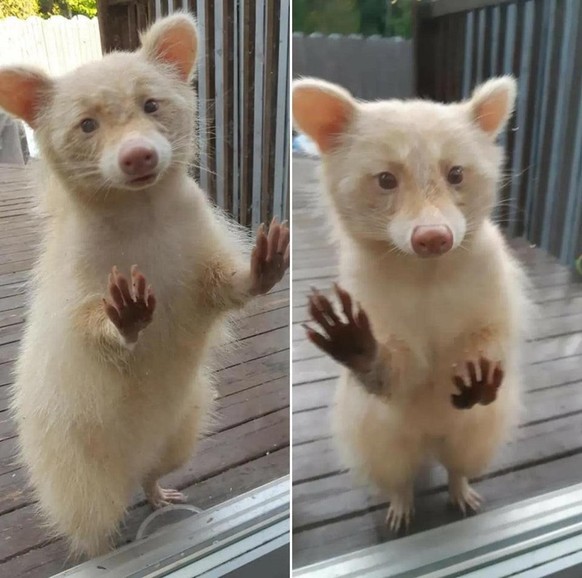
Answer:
(82, 494)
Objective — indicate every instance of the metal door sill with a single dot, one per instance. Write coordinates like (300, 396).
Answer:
(538, 537)
(232, 539)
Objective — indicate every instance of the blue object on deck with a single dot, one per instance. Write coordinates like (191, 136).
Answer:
(304, 145)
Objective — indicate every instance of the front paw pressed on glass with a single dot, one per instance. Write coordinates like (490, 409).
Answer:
(349, 342)
(131, 308)
(479, 384)
(270, 257)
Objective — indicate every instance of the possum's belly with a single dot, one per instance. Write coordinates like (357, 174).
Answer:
(427, 415)
(60, 373)
(66, 398)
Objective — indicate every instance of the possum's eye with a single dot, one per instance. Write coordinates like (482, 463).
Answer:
(89, 125)
(151, 105)
(455, 176)
(387, 181)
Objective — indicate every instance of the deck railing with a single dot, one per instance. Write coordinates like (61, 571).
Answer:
(243, 94)
(460, 43)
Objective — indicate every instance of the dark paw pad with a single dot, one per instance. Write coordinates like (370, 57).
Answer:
(482, 389)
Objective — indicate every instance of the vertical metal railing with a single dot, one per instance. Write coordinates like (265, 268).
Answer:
(243, 94)
(459, 44)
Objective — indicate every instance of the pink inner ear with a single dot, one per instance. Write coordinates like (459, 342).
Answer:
(490, 113)
(321, 115)
(178, 49)
(20, 94)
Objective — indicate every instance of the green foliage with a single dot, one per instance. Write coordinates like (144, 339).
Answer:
(67, 8)
(366, 17)
(18, 8)
(47, 8)
(339, 16)
(400, 19)
(373, 15)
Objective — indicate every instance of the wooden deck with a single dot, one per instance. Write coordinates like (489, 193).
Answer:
(332, 515)
(250, 446)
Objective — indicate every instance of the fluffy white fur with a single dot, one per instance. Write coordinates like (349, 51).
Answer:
(98, 418)
(430, 316)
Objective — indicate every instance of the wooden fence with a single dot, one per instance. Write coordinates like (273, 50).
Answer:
(56, 44)
(460, 43)
(369, 67)
(243, 91)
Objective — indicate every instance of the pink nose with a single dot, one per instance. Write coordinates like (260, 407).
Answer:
(137, 158)
(428, 241)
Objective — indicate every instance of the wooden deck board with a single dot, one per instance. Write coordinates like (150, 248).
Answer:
(248, 447)
(332, 514)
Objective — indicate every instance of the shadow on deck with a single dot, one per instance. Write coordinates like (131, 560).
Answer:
(250, 445)
(334, 516)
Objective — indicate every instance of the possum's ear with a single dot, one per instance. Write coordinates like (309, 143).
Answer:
(492, 104)
(322, 111)
(23, 92)
(174, 41)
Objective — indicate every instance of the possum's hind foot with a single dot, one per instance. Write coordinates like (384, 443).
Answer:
(478, 384)
(400, 511)
(463, 495)
(159, 497)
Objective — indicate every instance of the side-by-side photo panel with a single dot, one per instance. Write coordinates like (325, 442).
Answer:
(144, 288)
(437, 306)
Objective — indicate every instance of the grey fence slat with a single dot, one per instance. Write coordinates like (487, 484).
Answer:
(541, 166)
(495, 39)
(468, 75)
(502, 39)
(521, 120)
(572, 165)
(439, 56)
(512, 60)
(565, 71)
(269, 111)
(219, 100)
(481, 15)
(449, 59)
(236, 126)
(538, 125)
(507, 60)
(247, 74)
(527, 126)
(202, 97)
(475, 52)
(286, 204)
(460, 28)
(575, 247)
(282, 120)
(488, 44)
(258, 124)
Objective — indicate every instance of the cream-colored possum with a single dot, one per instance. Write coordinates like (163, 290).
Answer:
(113, 385)
(431, 355)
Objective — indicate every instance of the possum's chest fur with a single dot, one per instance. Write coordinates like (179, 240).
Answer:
(434, 311)
(161, 374)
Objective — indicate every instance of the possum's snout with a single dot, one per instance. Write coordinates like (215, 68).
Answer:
(431, 233)
(429, 241)
(136, 161)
